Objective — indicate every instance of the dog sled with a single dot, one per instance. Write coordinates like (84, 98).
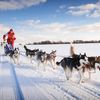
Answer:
(8, 49)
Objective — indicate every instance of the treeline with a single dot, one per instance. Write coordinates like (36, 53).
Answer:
(81, 41)
(51, 42)
(61, 42)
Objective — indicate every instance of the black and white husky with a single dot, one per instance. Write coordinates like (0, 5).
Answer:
(40, 57)
(30, 53)
(68, 64)
(14, 55)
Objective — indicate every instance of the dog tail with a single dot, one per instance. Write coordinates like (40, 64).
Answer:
(72, 50)
(58, 63)
(63, 60)
(25, 47)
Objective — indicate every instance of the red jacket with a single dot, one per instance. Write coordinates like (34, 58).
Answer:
(10, 37)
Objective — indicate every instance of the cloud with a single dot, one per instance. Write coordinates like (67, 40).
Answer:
(18, 4)
(89, 10)
(35, 30)
(95, 14)
(43, 27)
(3, 30)
(58, 31)
(61, 8)
(86, 28)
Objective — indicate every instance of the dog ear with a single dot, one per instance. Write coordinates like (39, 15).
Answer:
(84, 54)
(17, 48)
(80, 55)
(52, 50)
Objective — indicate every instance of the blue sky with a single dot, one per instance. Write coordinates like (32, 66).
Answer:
(55, 20)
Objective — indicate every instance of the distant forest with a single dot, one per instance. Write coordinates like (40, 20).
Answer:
(61, 42)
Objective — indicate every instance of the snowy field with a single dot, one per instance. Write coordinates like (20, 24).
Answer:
(28, 82)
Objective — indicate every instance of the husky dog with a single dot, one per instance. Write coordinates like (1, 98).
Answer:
(93, 61)
(30, 53)
(68, 64)
(14, 55)
(51, 58)
(40, 57)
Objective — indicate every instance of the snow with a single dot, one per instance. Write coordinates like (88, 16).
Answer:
(27, 81)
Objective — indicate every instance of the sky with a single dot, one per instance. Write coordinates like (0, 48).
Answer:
(54, 20)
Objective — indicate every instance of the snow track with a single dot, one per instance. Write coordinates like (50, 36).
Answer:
(56, 89)
(12, 91)
(28, 82)
(39, 87)
(78, 92)
(18, 89)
